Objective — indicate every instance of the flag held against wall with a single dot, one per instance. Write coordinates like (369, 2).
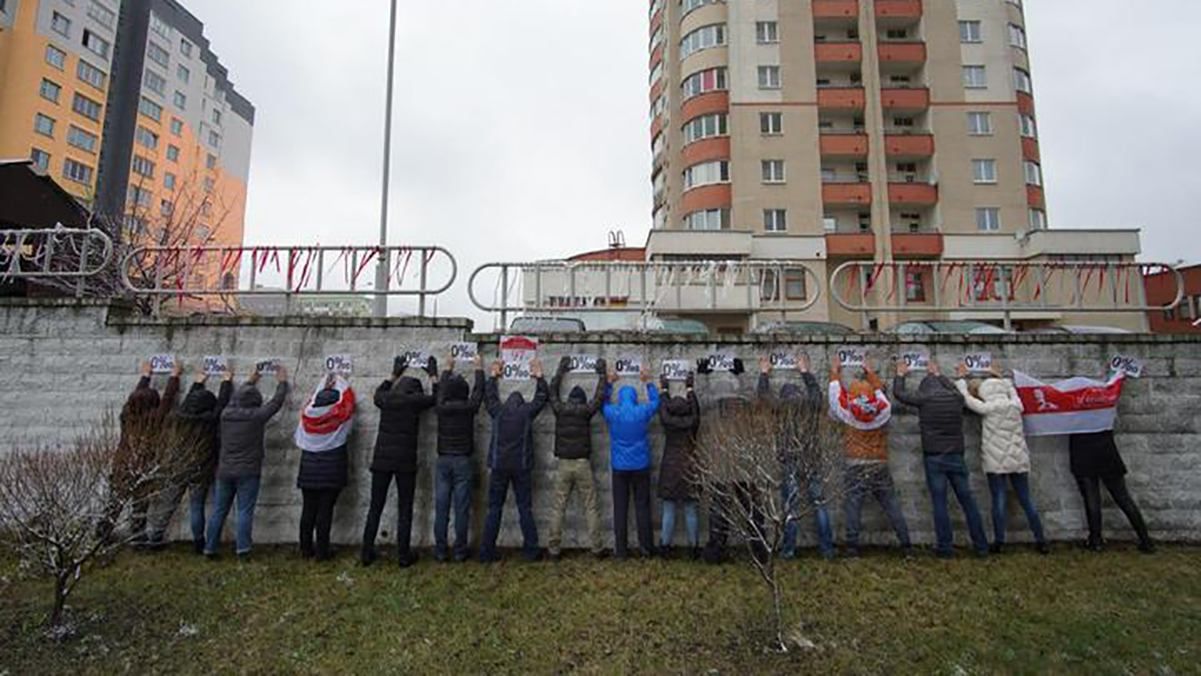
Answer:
(1073, 406)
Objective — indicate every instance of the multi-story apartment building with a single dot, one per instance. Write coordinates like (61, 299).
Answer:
(125, 104)
(827, 131)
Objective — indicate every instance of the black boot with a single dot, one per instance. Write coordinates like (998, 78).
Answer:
(367, 556)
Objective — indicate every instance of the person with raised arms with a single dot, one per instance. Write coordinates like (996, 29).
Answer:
(630, 459)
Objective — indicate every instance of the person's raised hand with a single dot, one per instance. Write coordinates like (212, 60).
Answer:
(934, 369)
(764, 365)
(903, 368)
(645, 374)
(612, 376)
(869, 365)
(227, 374)
(961, 370)
(145, 369)
(478, 362)
(690, 380)
(177, 369)
(200, 376)
(431, 367)
(536, 369)
(564, 365)
(602, 366)
(281, 374)
(739, 368)
(399, 365)
(702, 366)
(498, 367)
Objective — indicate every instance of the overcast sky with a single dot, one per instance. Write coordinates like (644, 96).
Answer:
(522, 128)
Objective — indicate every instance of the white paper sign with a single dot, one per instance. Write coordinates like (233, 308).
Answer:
(517, 352)
(416, 359)
(676, 369)
(852, 356)
(978, 362)
(267, 367)
(464, 353)
(1131, 366)
(582, 363)
(917, 360)
(215, 365)
(721, 362)
(783, 361)
(162, 363)
(341, 364)
(628, 366)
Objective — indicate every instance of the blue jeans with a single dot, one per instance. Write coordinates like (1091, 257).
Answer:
(198, 495)
(452, 481)
(874, 479)
(951, 469)
(692, 524)
(498, 492)
(246, 489)
(1021, 486)
(790, 495)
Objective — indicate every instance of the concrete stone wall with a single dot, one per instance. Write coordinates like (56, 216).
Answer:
(67, 362)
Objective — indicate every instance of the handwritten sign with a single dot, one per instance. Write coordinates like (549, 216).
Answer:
(1131, 366)
(267, 367)
(628, 366)
(416, 359)
(517, 352)
(582, 363)
(917, 360)
(978, 362)
(721, 362)
(215, 365)
(783, 361)
(852, 357)
(675, 369)
(340, 364)
(162, 363)
(464, 353)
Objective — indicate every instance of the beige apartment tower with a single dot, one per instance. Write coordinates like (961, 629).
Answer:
(828, 131)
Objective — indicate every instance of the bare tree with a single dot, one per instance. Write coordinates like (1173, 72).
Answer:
(59, 506)
(744, 458)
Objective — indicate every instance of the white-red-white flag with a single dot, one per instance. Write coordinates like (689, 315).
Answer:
(1072, 406)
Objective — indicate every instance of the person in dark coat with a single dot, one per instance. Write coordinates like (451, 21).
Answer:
(801, 466)
(940, 417)
(323, 435)
(511, 460)
(630, 460)
(141, 434)
(1095, 460)
(681, 420)
(573, 456)
(456, 406)
(195, 422)
(240, 465)
(401, 400)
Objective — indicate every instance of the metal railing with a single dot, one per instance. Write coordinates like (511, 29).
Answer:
(558, 286)
(989, 286)
(54, 253)
(208, 271)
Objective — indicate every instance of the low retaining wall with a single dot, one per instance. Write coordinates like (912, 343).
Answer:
(68, 362)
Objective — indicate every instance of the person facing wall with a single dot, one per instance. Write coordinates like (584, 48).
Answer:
(630, 460)
(322, 435)
(456, 406)
(678, 490)
(573, 456)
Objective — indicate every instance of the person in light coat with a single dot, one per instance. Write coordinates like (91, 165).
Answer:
(1003, 450)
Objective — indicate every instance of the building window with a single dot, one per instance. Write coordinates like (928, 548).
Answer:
(771, 124)
(772, 170)
(44, 125)
(1017, 36)
(830, 224)
(979, 124)
(176, 126)
(915, 286)
(984, 171)
(705, 173)
(150, 109)
(96, 44)
(1021, 81)
(209, 184)
(705, 126)
(158, 54)
(988, 219)
(702, 38)
(173, 153)
(211, 161)
(60, 24)
(975, 77)
(795, 285)
(214, 139)
(166, 207)
(77, 171)
(50, 90)
(142, 166)
(216, 116)
(56, 57)
(90, 74)
(185, 48)
(1029, 129)
(1034, 173)
(183, 73)
(101, 14)
(81, 139)
(1038, 219)
(139, 196)
(86, 107)
(181, 101)
(769, 77)
(969, 31)
(41, 159)
(154, 82)
(775, 220)
(159, 26)
(767, 32)
(713, 79)
(709, 219)
(145, 137)
(169, 181)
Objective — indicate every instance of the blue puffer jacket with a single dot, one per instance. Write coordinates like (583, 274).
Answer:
(629, 448)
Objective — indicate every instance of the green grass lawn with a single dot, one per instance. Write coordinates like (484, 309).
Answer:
(1119, 612)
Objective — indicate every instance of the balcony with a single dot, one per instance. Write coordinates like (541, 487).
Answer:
(898, 11)
(840, 98)
(913, 194)
(902, 53)
(835, 53)
(909, 146)
(917, 245)
(718, 196)
(656, 127)
(836, 10)
(704, 150)
(704, 104)
(846, 194)
(1034, 197)
(1025, 104)
(844, 145)
(850, 245)
(1030, 149)
(902, 100)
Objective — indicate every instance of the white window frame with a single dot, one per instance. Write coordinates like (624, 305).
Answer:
(767, 32)
(769, 77)
(771, 123)
(969, 79)
(988, 219)
(773, 172)
(775, 220)
(984, 171)
(971, 32)
(985, 129)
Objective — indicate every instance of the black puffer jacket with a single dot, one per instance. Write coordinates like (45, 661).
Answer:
(400, 404)
(511, 448)
(456, 407)
(681, 419)
(197, 421)
(1095, 455)
(573, 418)
(940, 413)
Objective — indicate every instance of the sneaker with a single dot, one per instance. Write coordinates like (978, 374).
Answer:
(211, 556)
(407, 560)
(1094, 545)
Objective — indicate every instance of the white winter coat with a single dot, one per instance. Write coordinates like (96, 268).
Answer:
(1003, 445)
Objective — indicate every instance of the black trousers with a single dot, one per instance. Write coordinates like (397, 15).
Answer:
(317, 515)
(406, 487)
(1090, 489)
(723, 510)
(637, 482)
